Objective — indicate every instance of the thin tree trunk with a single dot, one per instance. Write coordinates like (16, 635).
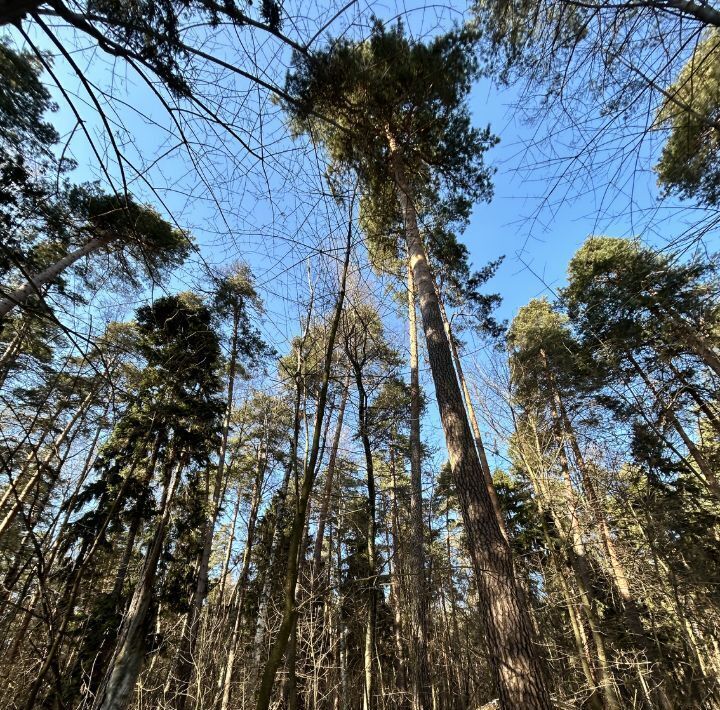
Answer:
(369, 651)
(42, 467)
(278, 648)
(420, 667)
(399, 591)
(238, 600)
(12, 350)
(228, 551)
(703, 406)
(514, 653)
(701, 347)
(702, 463)
(329, 481)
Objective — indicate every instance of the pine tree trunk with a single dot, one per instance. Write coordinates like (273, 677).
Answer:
(20, 295)
(514, 654)
(473, 421)
(12, 350)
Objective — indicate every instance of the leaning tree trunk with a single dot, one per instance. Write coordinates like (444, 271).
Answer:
(35, 283)
(329, 484)
(697, 343)
(420, 667)
(117, 691)
(43, 466)
(710, 478)
(514, 654)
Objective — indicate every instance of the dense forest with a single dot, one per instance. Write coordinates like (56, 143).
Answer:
(270, 436)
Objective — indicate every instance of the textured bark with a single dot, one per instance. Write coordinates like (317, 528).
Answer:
(701, 11)
(36, 283)
(514, 654)
(420, 667)
(473, 422)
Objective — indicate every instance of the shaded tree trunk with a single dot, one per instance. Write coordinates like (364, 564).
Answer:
(117, 691)
(329, 482)
(278, 648)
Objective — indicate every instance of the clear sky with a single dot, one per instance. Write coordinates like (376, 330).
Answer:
(260, 202)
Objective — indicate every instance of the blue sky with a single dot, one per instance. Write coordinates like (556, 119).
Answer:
(537, 238)
(271, 216)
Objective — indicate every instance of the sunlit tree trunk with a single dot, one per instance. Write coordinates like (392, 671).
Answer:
(514, 654)
(36, 283)
(42, 466)
(473, 420)
(419, 665)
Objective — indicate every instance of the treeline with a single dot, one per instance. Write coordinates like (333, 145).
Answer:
(190, 519)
